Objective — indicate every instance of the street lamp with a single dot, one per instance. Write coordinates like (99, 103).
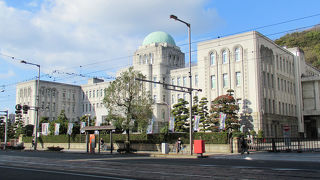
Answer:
(190, 77)
(38, 103)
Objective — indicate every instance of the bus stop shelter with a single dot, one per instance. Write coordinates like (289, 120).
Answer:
(91, 129)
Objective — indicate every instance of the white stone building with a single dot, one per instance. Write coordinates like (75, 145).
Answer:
(269, 83)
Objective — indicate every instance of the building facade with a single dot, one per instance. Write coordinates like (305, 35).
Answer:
(269, 83)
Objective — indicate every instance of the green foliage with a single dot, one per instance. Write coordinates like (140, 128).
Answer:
(308, 41)
(204, 122)
(225, 104)
(128, 102)
(29, 129)
(63, 120)
(209, 138)
(260, 134)
(181, 115)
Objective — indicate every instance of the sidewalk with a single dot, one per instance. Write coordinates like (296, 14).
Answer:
(280, 156)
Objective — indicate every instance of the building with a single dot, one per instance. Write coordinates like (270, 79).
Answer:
(75, 100)
(273, 85)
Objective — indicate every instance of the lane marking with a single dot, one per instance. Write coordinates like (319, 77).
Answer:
(65, 173)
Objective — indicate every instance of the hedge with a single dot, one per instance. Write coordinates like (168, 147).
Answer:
(210, 138)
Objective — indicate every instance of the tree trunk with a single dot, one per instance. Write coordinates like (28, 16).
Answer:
(127, 142)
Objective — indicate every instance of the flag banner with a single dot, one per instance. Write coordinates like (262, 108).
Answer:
(56, 130)
(171, 124)
(196, 123)
(82, 125)
(222, 120)
(45, 129)
(70, 127)
(150, 127)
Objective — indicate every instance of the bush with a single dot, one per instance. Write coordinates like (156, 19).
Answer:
(210, 138)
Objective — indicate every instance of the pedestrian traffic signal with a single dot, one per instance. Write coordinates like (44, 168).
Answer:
(25, 109)
(18, 109)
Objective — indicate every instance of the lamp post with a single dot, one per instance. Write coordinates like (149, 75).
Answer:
(37, 105)
(190, 77)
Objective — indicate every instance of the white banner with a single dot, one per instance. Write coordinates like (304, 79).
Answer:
(196, 123)
(222, 120)
(45, 129)
(57, 128)
(171, 124)
(82, 125)
(70, 126)
(150, 127)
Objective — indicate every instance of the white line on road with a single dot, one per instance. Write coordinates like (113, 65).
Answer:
(66, 173)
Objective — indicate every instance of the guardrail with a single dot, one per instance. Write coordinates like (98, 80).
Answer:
(284, 144)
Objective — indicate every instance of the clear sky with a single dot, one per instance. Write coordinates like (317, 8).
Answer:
(99, 37)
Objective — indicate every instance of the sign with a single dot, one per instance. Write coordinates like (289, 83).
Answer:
(82, 125)
(57, 128)
(45, 129)
(70, 127)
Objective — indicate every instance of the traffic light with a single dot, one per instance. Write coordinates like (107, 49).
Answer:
(18, 109)
(25, 109)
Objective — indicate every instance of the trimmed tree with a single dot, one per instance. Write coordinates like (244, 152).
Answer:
(225, 104)
(204, 122)
(181, 115)
(128, 103)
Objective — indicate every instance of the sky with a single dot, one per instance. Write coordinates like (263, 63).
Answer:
(96, 38)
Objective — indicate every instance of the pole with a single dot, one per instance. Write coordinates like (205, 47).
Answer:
(37, 110)
(5, 131)
(190, 90)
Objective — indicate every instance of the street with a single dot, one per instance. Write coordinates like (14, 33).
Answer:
(55, 165)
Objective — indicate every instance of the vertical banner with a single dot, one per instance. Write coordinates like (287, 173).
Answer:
(196, 123)
(82, 125)
(70, 126)
(96, 131)
(45, 129)
(57, 127)
(150, 127)
(171, 124)
(222, 120)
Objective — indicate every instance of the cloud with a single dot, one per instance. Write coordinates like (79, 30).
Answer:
(67, 34)
(7, 75)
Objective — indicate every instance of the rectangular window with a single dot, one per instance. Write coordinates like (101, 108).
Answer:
(172, 99)
(163, 98)
(89, 94)
(155, 98)
(196, 79)
(212, 59)
(101, 92)
(94, 93)
(184, 80)
(213, 81)
(90, 107)
(225, 80)
(155, 80)
(178, 96)
(238, 78)
(272, 81)
(178, 81)
(53, 107)
(264, 79)
(172, 81)
(278, 84)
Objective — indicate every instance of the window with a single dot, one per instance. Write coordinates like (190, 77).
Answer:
(213, 81)
(172, 99)
(184, 80)
(155, 80)
(93, 107)
(163, 98)
(155, 98)
(212, 59)
(89, 94)
(224, 57)
(172, 81)
(151, 58)
(53, 107)
(178, 96)
(184, 96)
(53, 93)
(82, 107)
(97, 92)
(238, 78)
(140, 60)
(94, 93)
(145, 59)
(272, 81)
(196, 79)
(237, 54)
(101, 92)
(73, 97)
(225, 80)
(90, 107)
(178, 81)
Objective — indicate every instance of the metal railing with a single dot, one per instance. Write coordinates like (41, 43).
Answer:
(284, 144)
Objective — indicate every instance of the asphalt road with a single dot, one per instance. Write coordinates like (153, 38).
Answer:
(51, 165)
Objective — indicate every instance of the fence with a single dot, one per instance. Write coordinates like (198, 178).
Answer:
(284, 144)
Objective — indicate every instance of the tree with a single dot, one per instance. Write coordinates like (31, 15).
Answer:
(226, 104)
(181, 115)
(127, 101)
(204, 122)
(63, 121)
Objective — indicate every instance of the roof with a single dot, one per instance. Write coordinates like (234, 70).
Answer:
(98, 128)
(158, 37)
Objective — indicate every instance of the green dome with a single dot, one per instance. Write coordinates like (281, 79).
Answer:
(158, 37)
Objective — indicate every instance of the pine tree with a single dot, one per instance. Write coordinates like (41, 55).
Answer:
(204, 121)
(181, 115)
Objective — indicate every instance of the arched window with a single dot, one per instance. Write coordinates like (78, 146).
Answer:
(151, 58)
(237, 54)
(212, 58)
(145, 59)
(224, 57)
